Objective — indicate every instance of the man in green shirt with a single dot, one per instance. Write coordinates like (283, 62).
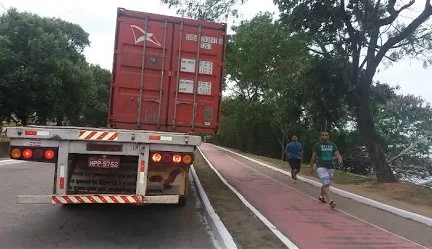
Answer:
(325, 151)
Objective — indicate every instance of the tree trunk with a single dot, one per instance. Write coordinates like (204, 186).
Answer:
(367, 130)
(282, 144)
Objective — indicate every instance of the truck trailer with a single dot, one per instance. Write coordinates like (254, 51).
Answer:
(165, 92)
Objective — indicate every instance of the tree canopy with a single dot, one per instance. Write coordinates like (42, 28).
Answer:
(287, 76)
(357, 36)
(44, 76)
(348, 40)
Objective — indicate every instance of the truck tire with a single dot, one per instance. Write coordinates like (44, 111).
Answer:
(182, 201)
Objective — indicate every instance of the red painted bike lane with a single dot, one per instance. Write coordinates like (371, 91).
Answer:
(308, 223)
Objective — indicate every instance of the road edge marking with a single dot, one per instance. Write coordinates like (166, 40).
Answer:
(270, 225)
(397, 211)
(216, 222)
(5, 162)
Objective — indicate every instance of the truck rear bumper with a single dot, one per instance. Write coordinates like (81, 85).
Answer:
(97, 199)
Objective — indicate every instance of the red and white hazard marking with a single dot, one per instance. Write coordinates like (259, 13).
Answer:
(81, 199)
(98, 135)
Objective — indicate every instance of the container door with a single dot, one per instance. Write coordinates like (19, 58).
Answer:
(197, 79)
(141, 71)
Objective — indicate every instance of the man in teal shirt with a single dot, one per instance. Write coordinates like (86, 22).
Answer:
(325, 151)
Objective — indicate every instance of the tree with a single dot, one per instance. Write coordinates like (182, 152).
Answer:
(355, 37)
(358, 35)
(95, 111)
(403, 122)
(205, 9)
(43, 74)
(40, 49)
(266, 66)
(325, 97)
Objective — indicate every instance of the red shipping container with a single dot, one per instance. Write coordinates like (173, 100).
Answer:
(167, 73)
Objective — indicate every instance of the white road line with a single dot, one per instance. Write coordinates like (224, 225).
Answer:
(9, 161)
(400, 212)
(270, 225)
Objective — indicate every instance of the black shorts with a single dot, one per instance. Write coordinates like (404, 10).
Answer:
(295, 163)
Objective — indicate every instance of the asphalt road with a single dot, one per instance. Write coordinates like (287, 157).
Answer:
(91, 226)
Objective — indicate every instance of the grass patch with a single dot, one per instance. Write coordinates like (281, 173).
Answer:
(4, 140)
(340, 177)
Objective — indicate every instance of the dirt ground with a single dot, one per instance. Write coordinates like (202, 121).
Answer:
(402, 195)
(245, 227)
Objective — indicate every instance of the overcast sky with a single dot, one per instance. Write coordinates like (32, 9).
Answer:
(98, 19)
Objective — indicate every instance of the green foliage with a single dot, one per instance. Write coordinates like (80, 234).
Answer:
(43, 74)
(402, 120)
(299, 75)
(349, 40)
(280, 89)
(205, 9)
(96, 109)
(356, 36)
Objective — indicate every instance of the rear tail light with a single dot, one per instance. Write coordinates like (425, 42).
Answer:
(38, 154)
(49, 154)
(33, 154)
(166, 158)
(27, 153)
(15, 153)
(187, 159)
(176, 158)
(156, 157)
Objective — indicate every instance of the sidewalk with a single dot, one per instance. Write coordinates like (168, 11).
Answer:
(308, 223)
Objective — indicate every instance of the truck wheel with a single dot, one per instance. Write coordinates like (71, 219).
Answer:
(182, 201)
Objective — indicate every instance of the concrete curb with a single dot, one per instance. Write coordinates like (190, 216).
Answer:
(266, 222)
(221, 232)
(397, 211)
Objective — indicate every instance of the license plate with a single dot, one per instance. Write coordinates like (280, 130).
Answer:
(106, 162)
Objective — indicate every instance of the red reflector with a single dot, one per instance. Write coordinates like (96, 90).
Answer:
(61, 183)
(27, 153)
(154, 137)
(177, 159)
(142, 166)
(30, 133)
(49, 154)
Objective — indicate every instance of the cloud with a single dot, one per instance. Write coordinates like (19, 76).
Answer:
(410, 76)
